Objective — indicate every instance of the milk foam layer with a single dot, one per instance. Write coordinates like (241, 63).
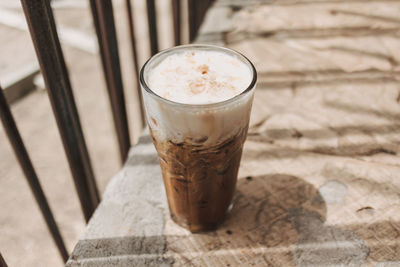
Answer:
(199, 77)
(212, 124)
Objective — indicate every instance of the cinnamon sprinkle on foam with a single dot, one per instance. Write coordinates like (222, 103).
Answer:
(199, 77)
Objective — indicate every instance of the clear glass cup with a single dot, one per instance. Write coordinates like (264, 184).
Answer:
(199, 146)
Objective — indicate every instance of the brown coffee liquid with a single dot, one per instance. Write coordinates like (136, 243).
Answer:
(200, 180)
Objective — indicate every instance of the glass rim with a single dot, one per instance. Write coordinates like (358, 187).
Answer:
(194, 46)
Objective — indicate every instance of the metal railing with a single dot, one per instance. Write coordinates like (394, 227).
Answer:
(42, 28)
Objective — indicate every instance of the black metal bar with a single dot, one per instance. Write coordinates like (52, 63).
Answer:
(102, 13)
(197, 11)
(93, 8)
(192, 12)
(176, 11)
(2, 261)
(48, 50)
(135, 57)
(151, 18)
(30, 174)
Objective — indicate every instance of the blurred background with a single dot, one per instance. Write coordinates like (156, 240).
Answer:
(24, 237)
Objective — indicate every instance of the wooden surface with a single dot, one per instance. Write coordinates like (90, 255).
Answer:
(318, 183)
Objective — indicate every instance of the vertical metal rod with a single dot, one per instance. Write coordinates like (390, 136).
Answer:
(102, 13)
(192, 12)
(2, 261)
(176, 11)
(30, 174)
(197, 11)
(48, 50)
(135, 57)
(151, 18)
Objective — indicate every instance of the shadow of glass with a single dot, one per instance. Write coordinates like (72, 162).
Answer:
(276, 220)
(260, 228)
(263, 205)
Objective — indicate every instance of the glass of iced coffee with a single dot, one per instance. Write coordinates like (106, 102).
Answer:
(198, 100)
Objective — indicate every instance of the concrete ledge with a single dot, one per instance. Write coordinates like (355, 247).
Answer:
(127, 227)
(17, 84)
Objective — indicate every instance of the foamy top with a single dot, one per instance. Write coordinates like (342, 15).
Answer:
(199, 77)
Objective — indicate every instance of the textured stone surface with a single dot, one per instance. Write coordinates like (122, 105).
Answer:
(318, 179)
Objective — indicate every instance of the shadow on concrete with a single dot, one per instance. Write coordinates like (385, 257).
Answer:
(145, 139)
(331, 132)
(275, 80)
(142, 160)
(365, 15)
(263, 216)
(233, 37)
(357, 150)
(357, 109)
(366, 148)
(276, 220)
